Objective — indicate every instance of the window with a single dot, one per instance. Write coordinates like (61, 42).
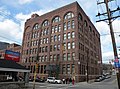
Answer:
(36, 26)
(45, 23)
(73, 69)
(73, 34)
(46, 58)
(58, 56)
(55, 38)
(90, 29)
(54, 57)
(65, 27)
(51, 38)
(46, 49)
(47, 40)
(68, 35)
(69, 15)
(41, 41)
(68, 44)
(80, 17)
(59, 28)
(68, 25)
(58, 37)
(56, 28)
(64, 37)
(68, 68)
(50, 57)
(68, 56)
(58, 47)
(73, 56)
(44, 40)
(64, 57)
(63, 69)
(52, 29)
(56, 19)
(64, 46)
(50, 48)
(73, 24)
(85, 23)
(73, 45)
(55, 47)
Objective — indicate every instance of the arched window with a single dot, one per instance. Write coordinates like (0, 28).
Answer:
(45, 23)
(90, 29)
(56, 19)
(36, 26)
(69, 15)
(80, 17)
(85, 23)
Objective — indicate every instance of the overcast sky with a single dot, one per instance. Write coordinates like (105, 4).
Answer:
(13, 14)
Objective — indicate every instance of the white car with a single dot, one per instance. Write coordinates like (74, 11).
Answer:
(53, 80)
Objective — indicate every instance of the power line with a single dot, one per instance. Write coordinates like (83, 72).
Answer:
(9, 39)
(108, 34)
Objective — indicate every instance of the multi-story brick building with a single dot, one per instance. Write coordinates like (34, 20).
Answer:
(64, 37)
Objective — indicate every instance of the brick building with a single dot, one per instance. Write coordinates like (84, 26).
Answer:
(63, 43)
(13, 47)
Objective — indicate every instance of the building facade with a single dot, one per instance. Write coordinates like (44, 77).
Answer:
(12, 47)
(63, 43)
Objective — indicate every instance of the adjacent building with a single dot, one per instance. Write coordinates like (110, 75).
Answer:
(12, 47)
(62, 43)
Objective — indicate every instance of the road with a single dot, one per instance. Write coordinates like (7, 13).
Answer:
(110, 83)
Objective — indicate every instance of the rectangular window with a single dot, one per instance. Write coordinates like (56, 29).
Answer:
(68, 44)
(68, 35)
(73, 24)
(54, 57)
(64, 37)
(64, 46)
(55, 47)
(58, 37)
(73, 56)
(65, 28)
(64, 57)
(51, 38)
(68, 25)
(50, 57)
(44, 69)
(56, 28)
(52, 29)
(41, 41)
(73, 69)
(73, 45)
(73, 34)
(68, 56)
(68, 68)
(50, 48)
(63, 69)
(41, 69)
(58, 47)
(47, 40)
(59, 28)
(55, 38)
(58, 56)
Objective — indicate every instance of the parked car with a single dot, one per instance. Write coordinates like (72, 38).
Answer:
(37, 79)
(98, 79)
(53, 80)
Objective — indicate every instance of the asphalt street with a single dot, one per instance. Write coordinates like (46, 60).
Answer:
(110, 83)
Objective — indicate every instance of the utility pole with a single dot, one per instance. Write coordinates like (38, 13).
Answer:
(109, 19)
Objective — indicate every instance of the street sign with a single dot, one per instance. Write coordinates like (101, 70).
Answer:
(117, 63)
